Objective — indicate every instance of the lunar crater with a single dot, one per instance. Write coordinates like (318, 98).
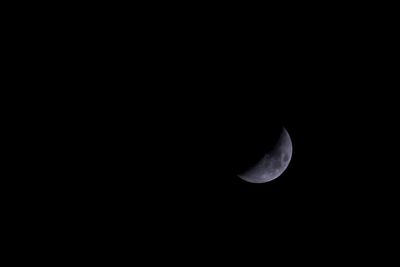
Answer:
(273, 164)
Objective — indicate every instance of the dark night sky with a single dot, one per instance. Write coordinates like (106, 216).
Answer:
(170, 115)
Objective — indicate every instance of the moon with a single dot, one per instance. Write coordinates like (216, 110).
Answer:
(273, 163)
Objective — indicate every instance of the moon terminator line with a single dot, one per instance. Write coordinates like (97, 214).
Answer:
(273, 164)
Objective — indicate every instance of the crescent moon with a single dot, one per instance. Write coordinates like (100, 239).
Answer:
(273, 164)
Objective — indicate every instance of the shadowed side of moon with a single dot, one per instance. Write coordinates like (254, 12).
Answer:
(272, 164)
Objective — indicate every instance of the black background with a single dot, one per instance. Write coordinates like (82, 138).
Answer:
(155, 118)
